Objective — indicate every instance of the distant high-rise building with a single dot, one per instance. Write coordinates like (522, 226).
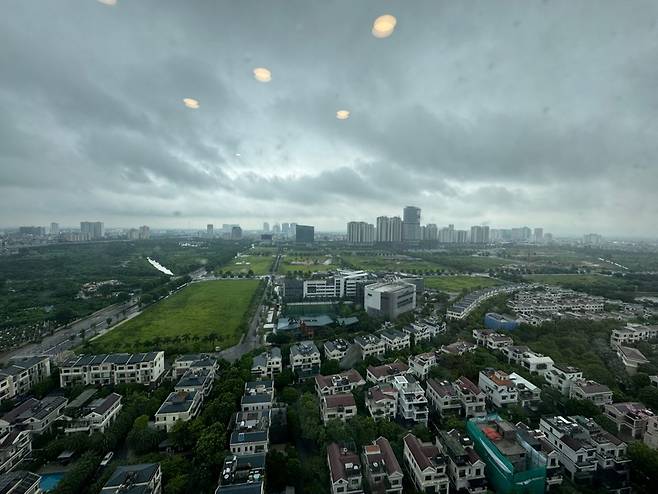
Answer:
(411, 224)
(54, 229)
(285, 229)
(538, 235)
(395, 229)
(447, 235)
(431, 232)
(461, 236)
(210, 230)
(293, 229)
(383, 229)
(91, 230)
(360, 232)
(236, 233)
(132, 234)
(266, 227)
(479, 234)
(592, 239)
(304, 234)
(228, 227)
(276, 229)
(37, 231)
(144, 232)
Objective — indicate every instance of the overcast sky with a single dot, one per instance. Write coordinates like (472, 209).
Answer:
(528, 112)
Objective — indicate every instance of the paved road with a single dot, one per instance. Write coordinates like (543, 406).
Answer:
(251, 340)
(67, 337)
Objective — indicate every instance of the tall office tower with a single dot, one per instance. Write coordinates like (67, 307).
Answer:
(144, 232)
(91, 230)
(293, 229)
(210, 230)
(266, 227)
(360, 232)
(236, 233)
(538, 235)
(304, 233)
(276, 228)
(411, 224)
(431, 232)
(526, 233)
(54, 228)
(383, 229)
(395, 229)
(423, 232)
(479, 234)
(285, 229)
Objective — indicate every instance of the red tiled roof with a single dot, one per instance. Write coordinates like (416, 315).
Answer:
(340, 400)
(388, 369)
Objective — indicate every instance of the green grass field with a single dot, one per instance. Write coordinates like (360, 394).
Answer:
(390, 263)
(459, 283)
(574, 281)
(308, 263)
(197, 318)
(243, 263)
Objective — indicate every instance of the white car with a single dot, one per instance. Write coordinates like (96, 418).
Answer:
(107, 459)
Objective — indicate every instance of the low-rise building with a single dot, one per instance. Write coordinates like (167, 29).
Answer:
(344, 470)
(268, 364)
(585, 389)
(533, 362)
(458, 348)
(23, 374)
(336, 349)
(651, 434)
(20, 482)
(632, 333)
(420, 365)
(337, 407)
(370, 345)
(465, 467)
(632, 358)
(528, 394)
(562, 377)
(244, 474)
(199, 380)
(538, 441)
(394, 340)
(381, 468)
(389, 299)
(115, 368)
(426, 465)
(491, 340)
(305, 359)
(412, 403)
(420, 332)
(345, 382)
(512, 463)
(258, 395)
(145, 478)
(461, 397)
(585, 448)
(381, 401)
(15, 445)
(250, 433)
(385, 373)
(631, 418)
(178, 406)
(36, 416)
(498, 387)
(92, 415)
(197, 361)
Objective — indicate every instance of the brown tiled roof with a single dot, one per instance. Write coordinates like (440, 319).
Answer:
(443, 388)
(388, 369)
(340, 400)
(421, 453)
(465, 383)
(352, 376)
(379, 393)
(391, 462)
(337, 461)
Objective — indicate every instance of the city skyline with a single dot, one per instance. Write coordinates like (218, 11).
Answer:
(477, 118)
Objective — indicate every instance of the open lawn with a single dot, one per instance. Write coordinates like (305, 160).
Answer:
(390, 263)
(456, 284)
(574, 281)
(242, 263)
(308, 263)
(197, 318)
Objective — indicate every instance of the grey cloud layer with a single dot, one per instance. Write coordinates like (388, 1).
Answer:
(522, 112)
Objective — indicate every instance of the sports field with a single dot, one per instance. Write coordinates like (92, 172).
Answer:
(198, 318)
(318, 263)
(458, 283)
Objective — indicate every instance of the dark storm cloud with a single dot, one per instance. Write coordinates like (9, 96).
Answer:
(513, 112)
